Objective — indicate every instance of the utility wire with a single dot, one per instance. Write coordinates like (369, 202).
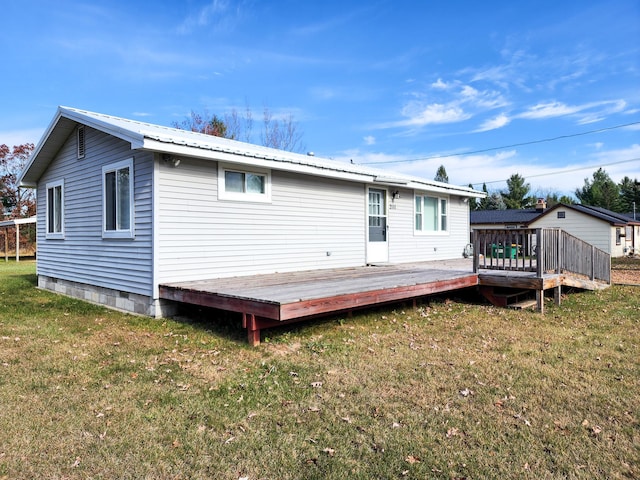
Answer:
(569, 170)
(484, 150)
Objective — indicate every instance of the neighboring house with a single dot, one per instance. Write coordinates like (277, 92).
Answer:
(612, 232)
(125, 206)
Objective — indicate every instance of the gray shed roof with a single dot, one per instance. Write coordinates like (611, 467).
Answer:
(502, 217)
(157, 138)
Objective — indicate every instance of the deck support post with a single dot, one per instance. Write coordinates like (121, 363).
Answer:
(557, 294)
(253, 330)
(540, 300)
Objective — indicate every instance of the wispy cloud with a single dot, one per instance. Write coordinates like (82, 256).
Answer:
(494, 123)
(369, 140)
(218, 14)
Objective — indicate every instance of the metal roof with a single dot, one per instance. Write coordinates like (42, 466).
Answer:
(157, 138)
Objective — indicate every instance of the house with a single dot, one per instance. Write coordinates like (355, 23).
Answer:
(126, 206)
(614, 233)
(511, 218)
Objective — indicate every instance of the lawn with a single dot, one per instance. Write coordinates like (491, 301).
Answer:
(452, 389)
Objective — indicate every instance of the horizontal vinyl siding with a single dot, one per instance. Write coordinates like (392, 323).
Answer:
(587, 228)
(83, 255)
(405, 245)
(200, 236)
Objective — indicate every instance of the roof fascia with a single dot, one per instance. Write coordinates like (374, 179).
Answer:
(136, 139)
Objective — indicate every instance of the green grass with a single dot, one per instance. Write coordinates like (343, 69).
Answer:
(452, 389)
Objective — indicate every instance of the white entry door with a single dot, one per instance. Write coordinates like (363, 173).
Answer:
(377, 245)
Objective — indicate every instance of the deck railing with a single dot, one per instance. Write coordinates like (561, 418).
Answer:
(539, 250)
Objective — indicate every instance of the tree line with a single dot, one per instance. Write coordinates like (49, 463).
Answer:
(598, 191)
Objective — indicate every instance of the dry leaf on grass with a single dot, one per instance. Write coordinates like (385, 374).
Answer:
(329, 451)
(412, 459)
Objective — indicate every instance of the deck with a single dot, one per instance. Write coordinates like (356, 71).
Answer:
(527, 259)
(274, 299)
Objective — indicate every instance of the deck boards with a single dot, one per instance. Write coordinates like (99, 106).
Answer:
(272, 299)
(283, 296)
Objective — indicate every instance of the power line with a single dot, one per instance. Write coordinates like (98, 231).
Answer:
(484, 150)
(569, 170)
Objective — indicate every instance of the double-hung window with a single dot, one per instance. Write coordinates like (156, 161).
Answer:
(431, 214)
(239, 184)
(55, 209)
(117, 200)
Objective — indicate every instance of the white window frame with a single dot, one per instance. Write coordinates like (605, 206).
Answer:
(118, 233)
(51, 232)
(245, 196)
(442, 214)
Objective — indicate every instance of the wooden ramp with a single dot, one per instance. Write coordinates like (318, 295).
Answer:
(274, 299)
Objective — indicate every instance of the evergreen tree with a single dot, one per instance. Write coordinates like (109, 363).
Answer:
(517, 195)
(600, 192)
(473, 202)
(629, 194)
(441, 175)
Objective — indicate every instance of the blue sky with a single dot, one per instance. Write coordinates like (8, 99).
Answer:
(479, 87)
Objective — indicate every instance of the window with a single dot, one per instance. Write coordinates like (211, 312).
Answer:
(431, 214)
(561, 214)
(117, 200)
(618, 236)
(237, 184)
(55, 210)
(80, 141)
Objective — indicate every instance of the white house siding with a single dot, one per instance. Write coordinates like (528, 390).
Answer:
(406, 245)
(585, 227)
(83, 256)
(310, 223)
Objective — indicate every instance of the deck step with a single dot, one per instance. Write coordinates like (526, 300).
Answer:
(528, 303)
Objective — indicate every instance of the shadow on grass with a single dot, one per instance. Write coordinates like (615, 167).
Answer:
(228, 324)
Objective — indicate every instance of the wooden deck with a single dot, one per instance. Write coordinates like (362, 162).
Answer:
(269, 300)
(533, 261)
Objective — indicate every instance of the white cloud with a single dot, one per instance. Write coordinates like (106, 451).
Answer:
(548, 110)
(20, 137)
(215, 13)
(419, 115)
(369, 140)
(494, 123)
(439, 84)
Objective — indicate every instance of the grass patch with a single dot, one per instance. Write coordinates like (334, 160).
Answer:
(447, 390)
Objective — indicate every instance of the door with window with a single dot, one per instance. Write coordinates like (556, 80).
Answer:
(377, 244)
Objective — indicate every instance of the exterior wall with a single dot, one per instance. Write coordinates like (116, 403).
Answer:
(585, 227)
(83, 257)
(310, 223)
(406, 245)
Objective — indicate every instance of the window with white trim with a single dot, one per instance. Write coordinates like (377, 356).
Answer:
(240, 184)
(431, 214)
(55, 209)
(117, 200)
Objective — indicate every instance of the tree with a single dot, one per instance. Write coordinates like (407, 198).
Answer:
(204, 123)
(473, 202)
(281, 133)
(15, 202)
(484, 203)
(600, 192)
(516, 197)
(441, 175)
(495, 202)
(629, 195)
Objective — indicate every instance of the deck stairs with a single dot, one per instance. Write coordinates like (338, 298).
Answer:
(517, 299)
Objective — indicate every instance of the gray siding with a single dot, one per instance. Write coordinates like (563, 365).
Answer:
(310, 223)
(405, 245)
(83, 255)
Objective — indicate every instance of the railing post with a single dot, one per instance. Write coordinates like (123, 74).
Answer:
(560, 255)
(592, 276)
(539, 252)
(476, 252)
